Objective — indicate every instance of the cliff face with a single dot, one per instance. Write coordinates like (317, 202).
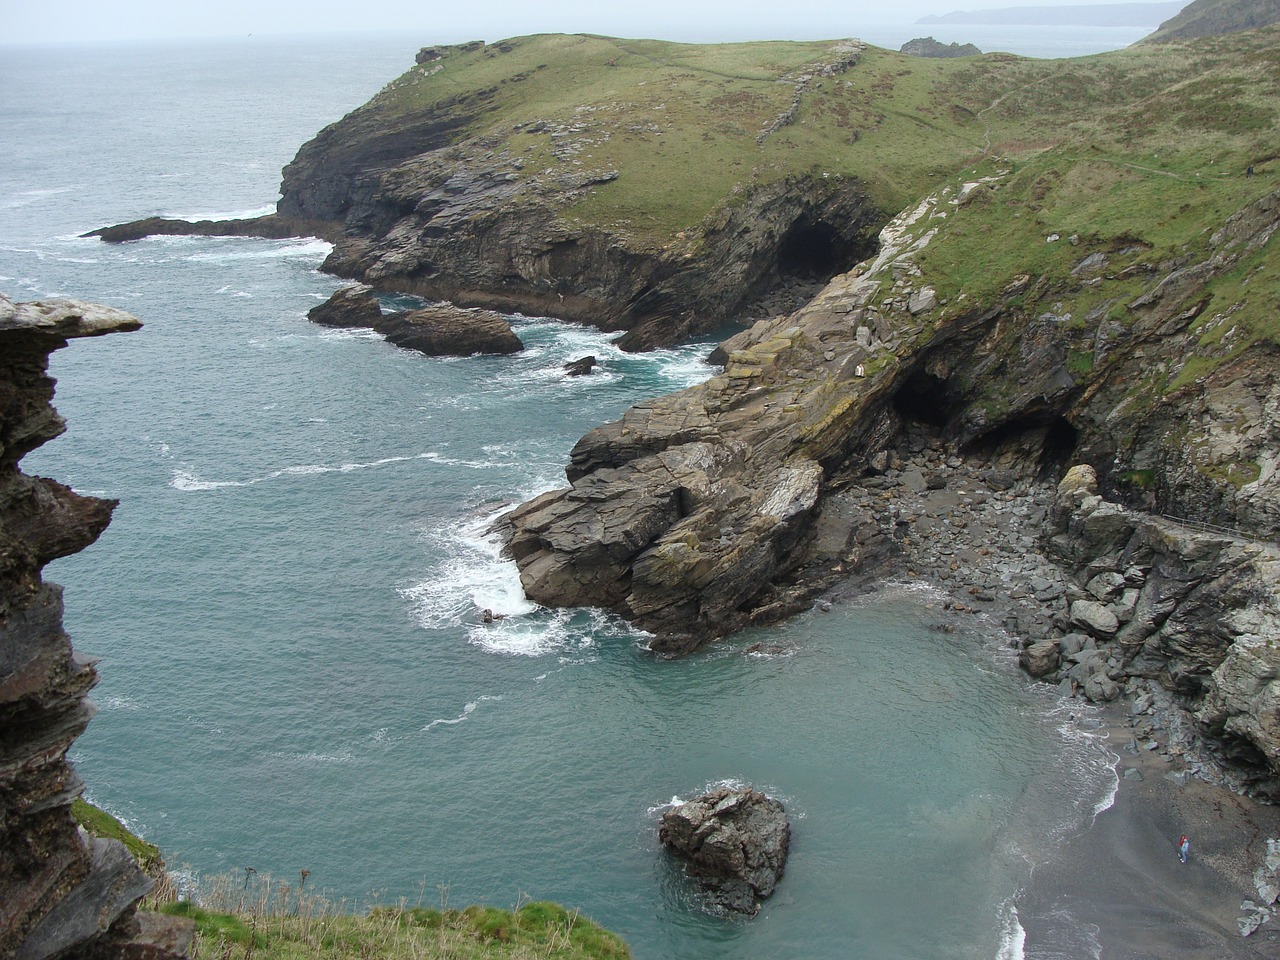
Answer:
(61, 893)
(703, 511)
(474, 198)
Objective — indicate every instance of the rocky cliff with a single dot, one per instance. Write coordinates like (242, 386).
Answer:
(62, 894)
(1013, 317)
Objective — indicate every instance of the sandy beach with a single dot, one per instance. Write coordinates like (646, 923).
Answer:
(1120, 891)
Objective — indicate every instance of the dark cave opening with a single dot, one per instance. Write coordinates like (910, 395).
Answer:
(815, 250)
(1048, 441)
(923, 399)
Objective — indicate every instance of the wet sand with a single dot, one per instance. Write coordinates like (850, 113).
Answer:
(1119, 890)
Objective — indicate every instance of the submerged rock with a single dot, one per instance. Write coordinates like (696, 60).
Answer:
(733, 842)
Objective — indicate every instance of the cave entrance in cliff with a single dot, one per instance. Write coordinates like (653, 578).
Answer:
(923, 399)
(1044, 446)
(815, 251)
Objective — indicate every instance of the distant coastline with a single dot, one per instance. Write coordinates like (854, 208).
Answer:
(1076, 15)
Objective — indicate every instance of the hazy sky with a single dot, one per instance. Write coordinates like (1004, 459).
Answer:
(28, 21)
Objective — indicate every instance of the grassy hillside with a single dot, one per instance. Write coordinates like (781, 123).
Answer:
(685, 126)
(257, 916)
(299, 930)
(1155, 159)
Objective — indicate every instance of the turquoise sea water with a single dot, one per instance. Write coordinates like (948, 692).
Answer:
(295, 674)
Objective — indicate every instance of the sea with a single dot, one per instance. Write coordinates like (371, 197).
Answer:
(295, 673)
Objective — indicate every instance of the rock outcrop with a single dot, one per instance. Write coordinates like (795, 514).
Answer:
(462, 185)
(272, 226)
(1195, 609)
(438, 330)
(61, 893)
(929, 47)
(734, 844)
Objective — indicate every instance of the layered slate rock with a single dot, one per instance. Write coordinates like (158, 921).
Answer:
(734, 843)
(438, 330)
(60, 892)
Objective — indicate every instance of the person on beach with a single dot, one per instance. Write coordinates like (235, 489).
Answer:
(1184, 845)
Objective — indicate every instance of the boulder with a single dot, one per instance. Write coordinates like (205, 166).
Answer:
(1094, 618)
(581, 367)
(443, 330)
(351, 306)
(734, 843)
(438, 330)
(1040, 658)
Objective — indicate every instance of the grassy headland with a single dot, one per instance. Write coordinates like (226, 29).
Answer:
(256, 916)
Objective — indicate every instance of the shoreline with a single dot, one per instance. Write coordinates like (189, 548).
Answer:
(1116, 889)
(1119, 885)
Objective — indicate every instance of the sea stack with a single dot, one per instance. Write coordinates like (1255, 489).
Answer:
(734, 843)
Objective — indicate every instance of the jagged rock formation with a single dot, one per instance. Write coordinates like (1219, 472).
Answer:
(734, 843)
(270, 226)
(929, 47)
(1196, 610)
(1209, 18)
(438, 330)
(62, 894)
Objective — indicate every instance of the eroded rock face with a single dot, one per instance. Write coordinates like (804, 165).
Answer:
(1197, 611)
(734, 843)
(60, 893)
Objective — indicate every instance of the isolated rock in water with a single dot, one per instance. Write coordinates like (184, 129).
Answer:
(734, 843)
(439, 330)
(443, 330)
(353, 306)
(580, 367)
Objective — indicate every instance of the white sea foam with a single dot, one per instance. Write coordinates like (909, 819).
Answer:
(1013, 939)
(472, 577)
(266, 250)
(189, 483)
(233, 215)
(467, 709)
(24, 198)
(313, 758)
(120, 703)
(350, 333)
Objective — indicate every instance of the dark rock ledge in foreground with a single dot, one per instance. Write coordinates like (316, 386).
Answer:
(438, 330)
(734, 843)
(62, 893)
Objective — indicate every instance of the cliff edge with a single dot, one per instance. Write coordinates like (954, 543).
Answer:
(62, 893)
